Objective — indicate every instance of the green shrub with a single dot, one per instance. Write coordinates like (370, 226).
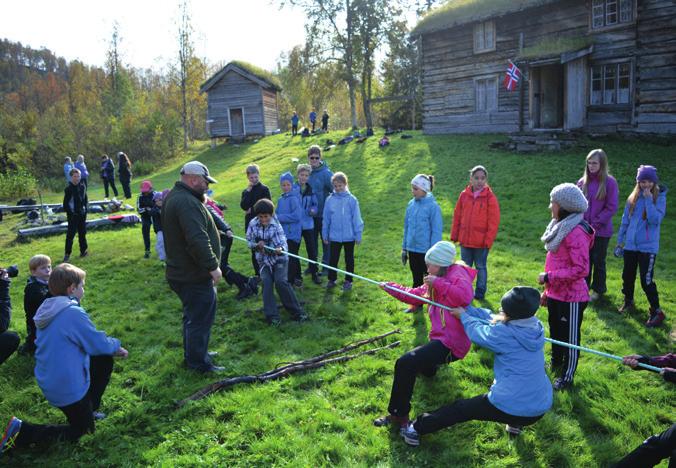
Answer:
(17, 184)
(142, 168)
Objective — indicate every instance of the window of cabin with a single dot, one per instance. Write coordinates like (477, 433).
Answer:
(611, 12)
(611, 84)
(486, 94)
(484, 37)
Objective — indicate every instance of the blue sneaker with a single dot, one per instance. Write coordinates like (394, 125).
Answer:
(410, 435)
(10, 435)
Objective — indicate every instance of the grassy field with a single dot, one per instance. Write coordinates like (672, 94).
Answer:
(325, 417)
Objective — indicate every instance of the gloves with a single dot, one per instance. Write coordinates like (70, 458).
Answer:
(619, 251)
(404, 257)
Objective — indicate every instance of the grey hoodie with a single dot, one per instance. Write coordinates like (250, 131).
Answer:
(50, 308)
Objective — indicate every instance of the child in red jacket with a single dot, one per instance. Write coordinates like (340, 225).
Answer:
(475, 224)
(448, 284)
(568, 239)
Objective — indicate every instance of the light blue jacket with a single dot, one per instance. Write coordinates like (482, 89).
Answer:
(643, 235)
(422, 224)
(290, 214)
(66, 170)
(66, 337)
(320, 180)
(521, 386)
(308, 202)
(342, 218)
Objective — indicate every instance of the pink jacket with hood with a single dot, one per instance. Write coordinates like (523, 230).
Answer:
(453, 290)
(568, 267)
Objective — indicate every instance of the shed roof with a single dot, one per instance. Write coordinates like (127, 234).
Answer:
(256, 74)
(457, 12)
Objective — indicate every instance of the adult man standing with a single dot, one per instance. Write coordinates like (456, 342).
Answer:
(320, 181)
(193, 251)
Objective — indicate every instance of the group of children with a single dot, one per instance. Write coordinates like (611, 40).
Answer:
(295, 119)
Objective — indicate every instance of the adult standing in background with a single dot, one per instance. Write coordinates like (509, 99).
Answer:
(325, 121)
(124, 172)
(108, 175)
(313, 119)
(193, 249)
(82, 167)
(600, 189)
(320, 181)
(67, 166)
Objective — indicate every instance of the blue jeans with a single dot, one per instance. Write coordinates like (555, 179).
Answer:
(199, 311)
(276, 278)
(477, 258)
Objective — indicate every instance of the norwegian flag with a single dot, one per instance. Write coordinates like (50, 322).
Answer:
(512, 77)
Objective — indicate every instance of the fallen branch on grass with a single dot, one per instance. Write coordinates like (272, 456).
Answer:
(298, 366)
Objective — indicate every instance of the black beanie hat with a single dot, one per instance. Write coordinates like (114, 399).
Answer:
(520, 302)
(264, 206)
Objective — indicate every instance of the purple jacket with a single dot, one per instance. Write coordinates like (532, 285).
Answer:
(600, 212)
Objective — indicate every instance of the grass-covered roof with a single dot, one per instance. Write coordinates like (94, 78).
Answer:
(456, 12)
(258, 72)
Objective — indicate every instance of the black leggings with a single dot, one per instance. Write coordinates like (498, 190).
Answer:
(109, 183)
(565, 320)
(653, 450)
(645, 263)
(336, 247)
(418, 267)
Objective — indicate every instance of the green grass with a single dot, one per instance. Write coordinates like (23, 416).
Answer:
(324, 417)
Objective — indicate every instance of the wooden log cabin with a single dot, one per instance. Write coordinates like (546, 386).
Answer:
(605, 66)
(241, 101)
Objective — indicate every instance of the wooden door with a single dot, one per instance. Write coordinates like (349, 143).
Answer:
(236, 122)
(576, 93)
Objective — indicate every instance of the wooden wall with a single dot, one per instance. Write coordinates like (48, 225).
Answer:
(270, 111)
(232, 91)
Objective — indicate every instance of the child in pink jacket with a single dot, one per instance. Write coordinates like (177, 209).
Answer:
(448, 284)
(568, 239)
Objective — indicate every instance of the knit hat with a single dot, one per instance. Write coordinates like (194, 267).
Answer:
(647, 173)
(286, 176)
(569, 197)
(146, 186)
(442, 253)
(422, 182)
(520, 302)
(264, 206)
(158, 196)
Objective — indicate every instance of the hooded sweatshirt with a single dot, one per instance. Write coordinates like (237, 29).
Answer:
(453, 290)
(342, 218)
(66, 337)
(290, 215)
(308, 201)
(640, 231)
(422, 224)
(521, 386)
(320, 180)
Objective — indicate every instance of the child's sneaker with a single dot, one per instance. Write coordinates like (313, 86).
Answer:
(302, 317)
(626, 305)
(513, 430)
(347, 286)
(99, 416)
(147, 254)
(656, 319)
(594, 296)
(561, 384)
(65, 259)
(316, 279)
(330, 284)
(410, 435)
(391, 419)
(298, 283)
(274, 322)
(10, 435)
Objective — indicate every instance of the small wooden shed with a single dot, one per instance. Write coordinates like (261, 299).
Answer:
(241, 101)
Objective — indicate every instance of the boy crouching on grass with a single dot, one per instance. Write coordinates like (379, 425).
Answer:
(265, 231)
(73, 363)
(34, 294)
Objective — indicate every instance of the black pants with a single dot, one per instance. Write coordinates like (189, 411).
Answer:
(126, 187)
(645, 263)
(79, 414)
(9, 342)
(477, 408)
(424, 360)
(418, 267)
(313, 125)
(597, 265)
(231, 276)
(76, 223)
(146, 223)
(565, 320)
(336, 247)
(294, 129)
(293, 272)
(653, 450)
(311, 248)
(109, 182)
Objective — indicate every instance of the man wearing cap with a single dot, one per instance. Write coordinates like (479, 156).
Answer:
(193, 250)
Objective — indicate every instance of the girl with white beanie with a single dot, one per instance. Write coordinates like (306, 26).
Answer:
(449, 284)
(568, 239)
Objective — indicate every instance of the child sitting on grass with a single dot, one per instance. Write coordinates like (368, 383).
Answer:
(73, 363)
(265, 231)
(521, 393)
(449, 284)
(34, 294)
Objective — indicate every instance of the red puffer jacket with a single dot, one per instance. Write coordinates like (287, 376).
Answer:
(476, 220)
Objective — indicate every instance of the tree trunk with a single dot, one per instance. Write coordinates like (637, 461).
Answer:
(349, 64)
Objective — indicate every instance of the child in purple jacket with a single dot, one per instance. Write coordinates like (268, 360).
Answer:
(600, 189)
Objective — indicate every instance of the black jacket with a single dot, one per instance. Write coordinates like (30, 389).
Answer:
(75, 199)
(108, 170)
(249, 199)
(124, 171)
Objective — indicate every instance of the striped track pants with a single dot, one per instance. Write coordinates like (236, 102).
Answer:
(565, 320)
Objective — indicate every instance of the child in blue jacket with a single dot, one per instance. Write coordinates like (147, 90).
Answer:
(342, 227)
(521, 392)
(290, 216)
(639, 235)
(73, 362)
(310, 208)
(422, 228)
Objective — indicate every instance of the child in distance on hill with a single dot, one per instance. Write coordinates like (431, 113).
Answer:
(266, 231)
(342, 227)
(639, 236)
(521, 393)
(449, 284)
(290, 214)
(75, 204)
(158, 199)
(475, 225)
(422, 228)
(34, 294)
(310, 207)
(145, 205)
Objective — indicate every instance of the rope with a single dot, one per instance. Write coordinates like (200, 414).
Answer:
(430, 302)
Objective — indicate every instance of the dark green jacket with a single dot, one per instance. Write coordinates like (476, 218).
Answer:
(190, 236)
